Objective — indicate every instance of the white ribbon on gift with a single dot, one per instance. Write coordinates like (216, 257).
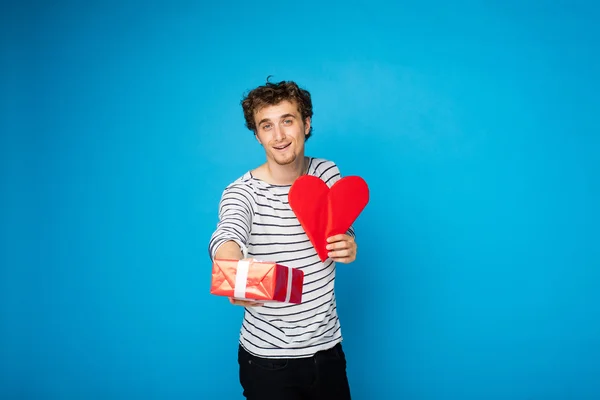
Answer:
(289, 285)
(241, 278)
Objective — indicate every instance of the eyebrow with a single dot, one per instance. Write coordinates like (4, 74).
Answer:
(281, 117)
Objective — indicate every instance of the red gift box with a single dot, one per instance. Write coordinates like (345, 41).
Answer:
(257, 281)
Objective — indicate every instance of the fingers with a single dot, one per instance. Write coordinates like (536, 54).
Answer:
(340, 237)
(245, 303)
(342, 254)
(338, 242)
(343, 260)
(343, 251)
(340, 245)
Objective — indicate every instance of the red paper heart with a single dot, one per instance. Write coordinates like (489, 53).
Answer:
(324, 212)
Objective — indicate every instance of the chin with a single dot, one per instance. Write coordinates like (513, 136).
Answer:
(285, 161)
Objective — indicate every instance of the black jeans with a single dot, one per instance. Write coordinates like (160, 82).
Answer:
(322, 376)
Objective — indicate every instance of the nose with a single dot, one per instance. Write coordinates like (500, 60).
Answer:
(278, 133)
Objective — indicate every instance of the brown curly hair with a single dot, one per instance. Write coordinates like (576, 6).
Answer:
(272, 94)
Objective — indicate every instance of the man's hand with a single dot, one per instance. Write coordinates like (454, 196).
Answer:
(342, 248)
(245, 303)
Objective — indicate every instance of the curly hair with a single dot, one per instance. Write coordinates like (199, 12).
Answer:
(272, 94)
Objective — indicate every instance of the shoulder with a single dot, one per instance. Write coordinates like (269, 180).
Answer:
(242, 185)
(242, 181)
(324, 169)
(320, 165)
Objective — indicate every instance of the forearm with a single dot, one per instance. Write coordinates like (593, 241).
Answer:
(229, 250)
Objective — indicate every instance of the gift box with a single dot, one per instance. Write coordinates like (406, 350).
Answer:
(257, 281)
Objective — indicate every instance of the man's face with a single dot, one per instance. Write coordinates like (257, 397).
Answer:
(281, 131)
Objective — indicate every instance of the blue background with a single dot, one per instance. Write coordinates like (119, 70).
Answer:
(474, 123)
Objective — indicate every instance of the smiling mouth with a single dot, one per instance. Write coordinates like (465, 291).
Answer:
(282, 147)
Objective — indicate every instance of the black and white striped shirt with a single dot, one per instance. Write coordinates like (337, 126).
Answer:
(257, 216)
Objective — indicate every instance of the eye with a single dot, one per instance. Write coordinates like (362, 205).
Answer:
(287, 121)
(266, 127)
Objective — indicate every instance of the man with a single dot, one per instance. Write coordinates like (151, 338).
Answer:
(286, 351)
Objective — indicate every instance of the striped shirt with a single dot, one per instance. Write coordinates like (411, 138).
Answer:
(257, 216)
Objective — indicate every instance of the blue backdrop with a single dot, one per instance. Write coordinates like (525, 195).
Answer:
(475, 125)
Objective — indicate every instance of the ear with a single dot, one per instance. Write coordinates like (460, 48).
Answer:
(307, 126)
(257, 139)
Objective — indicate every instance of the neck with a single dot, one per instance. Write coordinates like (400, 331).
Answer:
(286, 174)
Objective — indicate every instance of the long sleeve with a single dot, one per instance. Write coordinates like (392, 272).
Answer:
(235, 218)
